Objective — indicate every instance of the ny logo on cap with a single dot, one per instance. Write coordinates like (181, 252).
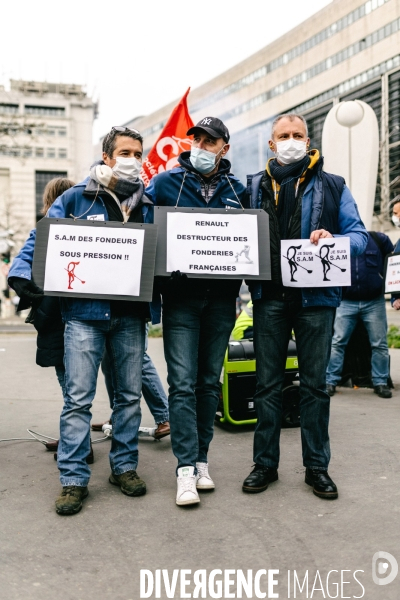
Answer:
(205, 122)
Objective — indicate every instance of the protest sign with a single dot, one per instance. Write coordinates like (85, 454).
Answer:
(392, 273)
(206, 242)
(304, 264)
(95, 259)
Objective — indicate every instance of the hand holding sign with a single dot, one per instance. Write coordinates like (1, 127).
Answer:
(318, 234)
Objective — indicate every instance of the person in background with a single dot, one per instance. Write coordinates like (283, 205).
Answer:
(243, 329)
(364, 300)
(45, 314)
(395, 299)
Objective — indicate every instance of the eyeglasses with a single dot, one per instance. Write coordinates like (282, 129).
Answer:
(121, 129)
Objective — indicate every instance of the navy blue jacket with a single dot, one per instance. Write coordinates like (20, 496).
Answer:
(165, 188)
(181, 187)
(347, 223)
(367, 270)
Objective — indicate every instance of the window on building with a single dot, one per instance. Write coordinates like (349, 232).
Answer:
(313, 72)
(8, 109)
(39, 152)
(394, 130)
(53, 111)
(62, 131)
(313, 41)
(62, 153)
(41, 180)
(51, 152)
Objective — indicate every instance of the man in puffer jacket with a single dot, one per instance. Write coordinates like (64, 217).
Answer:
(303, 202)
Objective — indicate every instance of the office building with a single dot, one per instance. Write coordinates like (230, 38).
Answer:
(45, 132)
(348, 50)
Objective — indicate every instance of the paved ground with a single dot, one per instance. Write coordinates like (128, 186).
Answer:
(99, 552)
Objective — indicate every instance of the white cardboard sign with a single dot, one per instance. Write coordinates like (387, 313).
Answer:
(392, 280)
(215, 244)
(94, 261)
(307, 265)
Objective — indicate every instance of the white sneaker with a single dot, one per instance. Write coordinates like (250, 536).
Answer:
(203, 479)
(187, 493)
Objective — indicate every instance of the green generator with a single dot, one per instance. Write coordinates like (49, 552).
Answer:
(239, 386)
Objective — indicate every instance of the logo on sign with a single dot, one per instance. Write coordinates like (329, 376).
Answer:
(175, 146)
(72, 275)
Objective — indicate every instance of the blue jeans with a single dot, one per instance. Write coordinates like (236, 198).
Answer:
(152, 388)
(373, 315)
(60, 372)
(273, 323)
(196, 335)
(84, 345)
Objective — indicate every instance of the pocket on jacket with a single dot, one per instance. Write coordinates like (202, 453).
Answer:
(371, 258)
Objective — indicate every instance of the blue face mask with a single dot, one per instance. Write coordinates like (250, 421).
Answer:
(202, 160)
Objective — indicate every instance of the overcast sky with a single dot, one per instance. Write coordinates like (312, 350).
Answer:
(134, 57)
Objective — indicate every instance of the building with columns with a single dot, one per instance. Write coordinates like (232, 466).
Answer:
(45, 132)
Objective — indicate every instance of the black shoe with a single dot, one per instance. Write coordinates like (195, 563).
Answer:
(322, 484)
(259, 479)
(331, 389)
(383, 391)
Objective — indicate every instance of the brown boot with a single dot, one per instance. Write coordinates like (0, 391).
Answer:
(52, 446)
(162, 430)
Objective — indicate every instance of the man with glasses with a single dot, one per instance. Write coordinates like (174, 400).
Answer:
(112, 192)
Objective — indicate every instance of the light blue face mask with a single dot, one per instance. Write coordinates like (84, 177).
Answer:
(202, 160)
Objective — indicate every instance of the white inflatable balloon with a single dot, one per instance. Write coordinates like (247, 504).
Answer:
(350, 146)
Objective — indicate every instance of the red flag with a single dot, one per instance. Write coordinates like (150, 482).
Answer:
(171, 142)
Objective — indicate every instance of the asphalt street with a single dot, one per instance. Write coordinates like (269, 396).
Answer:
(99, 552)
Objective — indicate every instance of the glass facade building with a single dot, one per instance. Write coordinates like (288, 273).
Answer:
(349, 50)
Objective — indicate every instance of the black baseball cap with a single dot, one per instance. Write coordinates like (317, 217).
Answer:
(213, 126)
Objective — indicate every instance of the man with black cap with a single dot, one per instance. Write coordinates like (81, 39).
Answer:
(198, 314)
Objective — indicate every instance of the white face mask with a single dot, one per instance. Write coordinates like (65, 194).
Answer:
(127, 168)
(203, 160)
(396, 221)
(290, 151)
